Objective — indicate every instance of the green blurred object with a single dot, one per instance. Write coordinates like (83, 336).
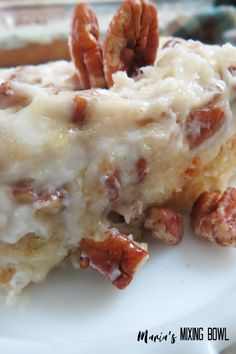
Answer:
(211, 26)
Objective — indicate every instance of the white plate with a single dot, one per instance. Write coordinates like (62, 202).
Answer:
(80, 312)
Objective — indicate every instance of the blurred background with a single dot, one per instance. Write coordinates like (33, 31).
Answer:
(34, 32)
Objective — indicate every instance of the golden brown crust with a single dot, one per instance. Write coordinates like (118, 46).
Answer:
(35, 53)
(213, 176)
(32, 255)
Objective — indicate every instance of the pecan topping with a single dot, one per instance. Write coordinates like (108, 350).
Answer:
(132, 39)
(142, 168)
(112, 185)
(217, 91)
(195, 168)
(24, 194)
(9, 97)
(145, 121)
(45, 202)
(52, 203)
(85, 48)
(83, 261)
(117, 257)
(214, 217)
(165, 224)
(52, 88)
(202, 123)
(79, 110)
(131, 42)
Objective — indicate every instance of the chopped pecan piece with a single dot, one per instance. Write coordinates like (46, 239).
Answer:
(52, 203)
(9, 97)
(52, 88)
(45, 202)
(74, 82)
(217, 91)
(112, 185)
(85, 48)
(195, 168)
(145, 121)
(83, 261)
(132, 39)
(142, 168)
(214, 217)
(24, 194)
(117, 257)
(165, 224)
(79, 110)
(202, 123)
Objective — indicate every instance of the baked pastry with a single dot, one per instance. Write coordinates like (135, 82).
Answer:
(85, 172)
(33, 34)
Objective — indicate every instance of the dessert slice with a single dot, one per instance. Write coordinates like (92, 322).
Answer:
(82, 169)
(85, 172)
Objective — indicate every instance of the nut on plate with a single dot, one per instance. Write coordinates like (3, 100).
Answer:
(213, 217)
(117, 257)
(165, 224)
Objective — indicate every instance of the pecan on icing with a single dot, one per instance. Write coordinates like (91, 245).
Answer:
(112, 185)
(79, 110)
(142, 168)
(52, 202)
(45, 202)
(203, 123)
(24, 193)
(85, 48)
(132, 38)
(10, 97)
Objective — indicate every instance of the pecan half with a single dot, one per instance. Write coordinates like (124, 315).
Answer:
(10, 97)
(79, 110)
(132, 39)
(165, 224)
(117, 257)
(202, 123)
(213, 217)
(85, 48)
